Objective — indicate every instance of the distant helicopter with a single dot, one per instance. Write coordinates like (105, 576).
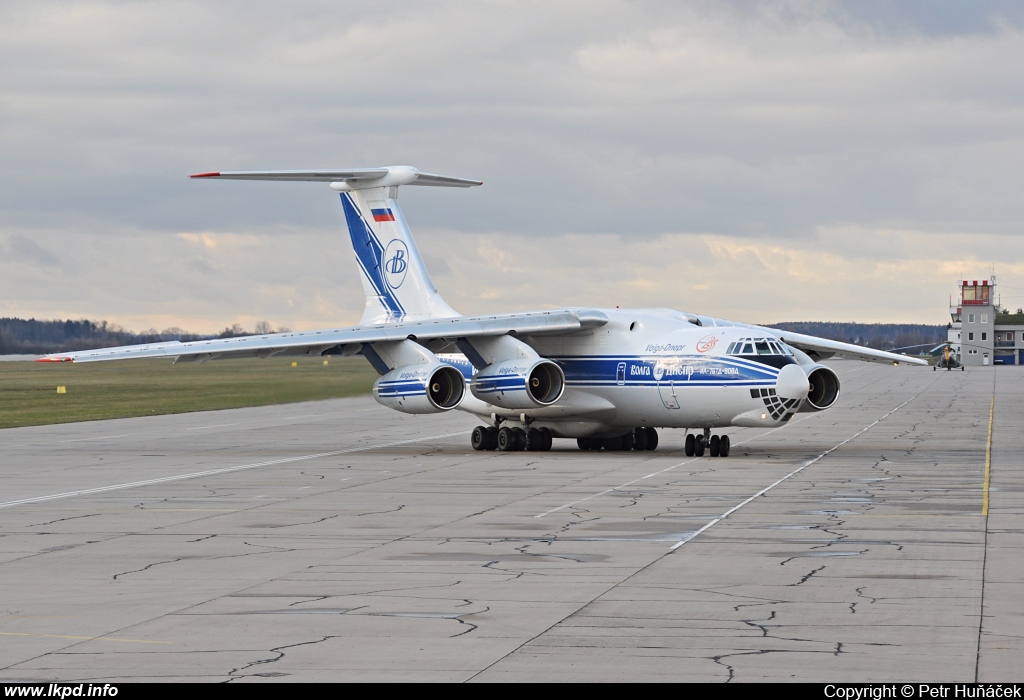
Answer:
(948, 359)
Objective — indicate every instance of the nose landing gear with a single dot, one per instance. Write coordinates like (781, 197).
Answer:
(716, 445)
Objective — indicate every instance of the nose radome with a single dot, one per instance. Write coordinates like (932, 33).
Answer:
(792, 383)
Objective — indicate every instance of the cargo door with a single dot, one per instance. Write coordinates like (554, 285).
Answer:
(666, 387)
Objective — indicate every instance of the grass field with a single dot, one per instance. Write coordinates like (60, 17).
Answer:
(128, 388)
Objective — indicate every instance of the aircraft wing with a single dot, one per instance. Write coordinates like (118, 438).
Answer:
(559, 321)
(820, 348)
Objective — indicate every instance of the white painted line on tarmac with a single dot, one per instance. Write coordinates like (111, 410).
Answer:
(255, 422)
(213, 472)
(793, 473)
(667, 469)
(172, 432)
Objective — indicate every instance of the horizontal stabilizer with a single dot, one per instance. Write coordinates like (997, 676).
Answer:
(349, 179)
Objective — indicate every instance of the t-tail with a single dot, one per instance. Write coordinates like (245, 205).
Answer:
(395, 280)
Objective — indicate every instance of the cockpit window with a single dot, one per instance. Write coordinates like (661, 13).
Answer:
(757, 346)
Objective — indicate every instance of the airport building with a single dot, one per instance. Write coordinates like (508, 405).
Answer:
(981, 332)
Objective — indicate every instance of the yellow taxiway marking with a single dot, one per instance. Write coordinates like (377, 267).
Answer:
(71, 636)
(988, 457)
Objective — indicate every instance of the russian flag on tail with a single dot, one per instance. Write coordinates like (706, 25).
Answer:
(382, 215)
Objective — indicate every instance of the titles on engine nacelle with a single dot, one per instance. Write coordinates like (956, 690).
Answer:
(426, 388)
(522, 383)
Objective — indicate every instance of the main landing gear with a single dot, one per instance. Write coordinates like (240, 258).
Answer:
(509, 439)
(640, 439)
(716, 445)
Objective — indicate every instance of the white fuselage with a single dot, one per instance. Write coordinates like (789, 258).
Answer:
(656, 368)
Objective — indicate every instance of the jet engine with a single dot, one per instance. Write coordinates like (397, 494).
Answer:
(824, 389)
(422, 388)
(521, 383)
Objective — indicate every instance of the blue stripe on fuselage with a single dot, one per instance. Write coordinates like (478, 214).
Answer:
(602, 370)
(699, 370)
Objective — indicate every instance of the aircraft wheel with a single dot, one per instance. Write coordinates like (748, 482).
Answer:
(933, 368)
(520, 439)
(506, 439)
(545, 439)
(716, 443)
(640, 439)
(724, 446)
(652, 438)
(534, 440)
(691, 445)
(492, 438)
(698, 446)
(478, 439)
(626, 441)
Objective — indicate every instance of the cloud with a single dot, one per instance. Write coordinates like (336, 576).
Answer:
(740, 128)
(833, 277)
(25, 250)
(146, 279)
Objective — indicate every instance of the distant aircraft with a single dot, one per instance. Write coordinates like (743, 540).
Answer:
(948, 360)
(606, 377)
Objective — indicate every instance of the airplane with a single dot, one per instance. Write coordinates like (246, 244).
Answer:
(608, 378)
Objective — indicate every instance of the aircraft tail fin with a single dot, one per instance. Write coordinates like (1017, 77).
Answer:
(397, 284)
(395, 280)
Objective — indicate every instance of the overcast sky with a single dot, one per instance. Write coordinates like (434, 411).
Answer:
(761, 161)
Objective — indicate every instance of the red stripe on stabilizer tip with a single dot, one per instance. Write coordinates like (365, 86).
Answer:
(205, 175)
(54, 359)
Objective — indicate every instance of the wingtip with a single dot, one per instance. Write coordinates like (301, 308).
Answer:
(204, 175)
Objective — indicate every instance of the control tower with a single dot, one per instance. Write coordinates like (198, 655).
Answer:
(972, 332)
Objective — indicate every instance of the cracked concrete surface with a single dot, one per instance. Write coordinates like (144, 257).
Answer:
(371, 560)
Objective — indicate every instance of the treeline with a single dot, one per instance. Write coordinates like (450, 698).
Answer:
(35, 337)
(18, 336)
(880, 336)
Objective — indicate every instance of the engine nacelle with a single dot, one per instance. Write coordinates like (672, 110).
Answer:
(521, 383)
(824, 389)
(426, 388)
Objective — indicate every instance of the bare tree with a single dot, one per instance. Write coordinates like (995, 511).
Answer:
(232, 331)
